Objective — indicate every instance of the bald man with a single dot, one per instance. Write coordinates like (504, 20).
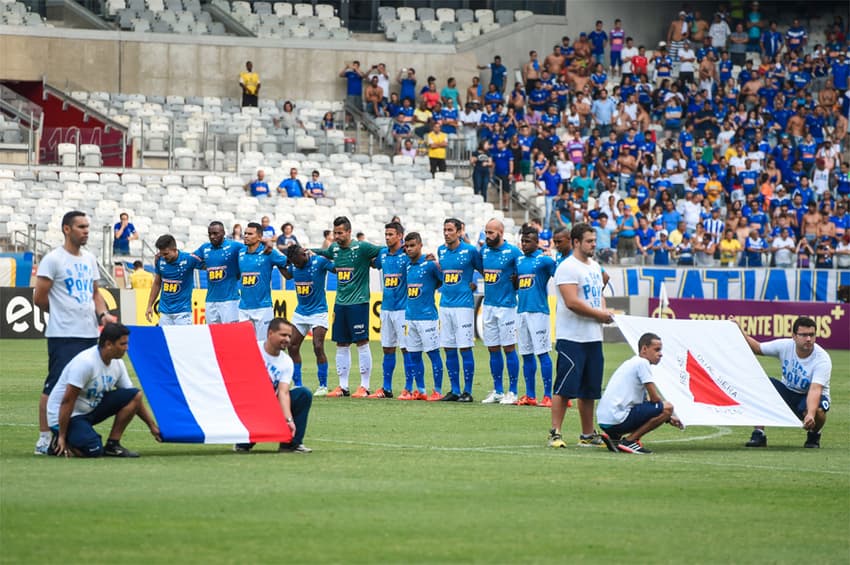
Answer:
(499, 261)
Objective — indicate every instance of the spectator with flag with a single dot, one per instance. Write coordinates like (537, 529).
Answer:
(631, 406)
(175, 279)
(309, 273)
(255, 267)
(295, 401)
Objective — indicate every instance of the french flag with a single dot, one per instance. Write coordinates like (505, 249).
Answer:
(207, 384)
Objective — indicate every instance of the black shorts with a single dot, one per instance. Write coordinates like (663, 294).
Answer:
(437, 165)
(351, 323)
(60, 351)
(579, 369)
(249, 100)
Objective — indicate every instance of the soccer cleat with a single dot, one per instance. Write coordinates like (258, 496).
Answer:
(243, 447)
(381, 393)
(361, 392)
(465, 397)
(406, 395)
(509, 399)
(628, 446)
(338, 392)
(758, 439)
(321, 391)
(493, 398)
(419, 395)
(289, 448)
(556, 441)
(609, 442)
(118, 450)
(592, 440)
(434, 397)
(812, 440)
(525, 400)
(42, 446)
(546, 402)
(450, 397)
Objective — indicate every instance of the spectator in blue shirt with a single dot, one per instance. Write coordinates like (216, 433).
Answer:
(598, 39)
(497, 73)
(354, 84)
(291, 186)
(258, 187)
(602, 110)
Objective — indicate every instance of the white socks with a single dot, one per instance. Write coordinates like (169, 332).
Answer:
(364, 355)
(343, 365)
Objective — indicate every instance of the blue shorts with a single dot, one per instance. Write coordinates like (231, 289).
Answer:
(579, 369)
(351, 323)
(638, 416)
(60, 351)
(81, 434)
(796, 401)
(616, 59)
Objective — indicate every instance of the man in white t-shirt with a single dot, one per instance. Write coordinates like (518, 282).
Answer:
(783, 248)
(624, 408)
(629, 51)
(95, 386)
(580, 313)
(294, 401)
(806, 370)
(67, 287)
(687, 58)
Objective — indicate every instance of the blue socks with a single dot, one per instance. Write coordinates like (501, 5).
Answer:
(453, 367)
(296, 374)
(417, 372)
(437, 368)
(323, 374)
(389, 369)
(468, 369)
(497, 366)
(546, 373)
(512, 361)
(529, 372)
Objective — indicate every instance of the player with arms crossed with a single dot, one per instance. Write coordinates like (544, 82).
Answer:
(579, 316)
(67, 288)
(221, 260)
(310, 274)
(423, 279)
(498, 261)
(175, 278)
(458, 261)
(624, 408)
(392, 261)
(256, 265)
(534, 269)
(295, 401)
(806, 371)
(93, 387)
(351, 309)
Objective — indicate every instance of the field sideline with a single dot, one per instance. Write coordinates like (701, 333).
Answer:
(416, 482)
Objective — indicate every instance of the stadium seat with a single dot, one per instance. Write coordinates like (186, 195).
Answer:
(505, 17)
(425, 14)
(522, 14)
(445, 14)
(484, 16)
(406, 14)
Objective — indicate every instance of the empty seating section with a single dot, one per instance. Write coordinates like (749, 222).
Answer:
(13, 13)
(208, 131)
(443, 25)
(283, 20)
(367, 190)
(163, 16)
(10, 132)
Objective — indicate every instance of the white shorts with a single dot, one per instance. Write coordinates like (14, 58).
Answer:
(499, 325)
(533, 333)
(457, 328)
(422, 335)
(304, 323)
(178, 319)
(392, 328)
(260, 317)
(226, 312)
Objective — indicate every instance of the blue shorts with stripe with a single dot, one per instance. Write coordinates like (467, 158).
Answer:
(351, 323)
(579, 369)
(638, 416)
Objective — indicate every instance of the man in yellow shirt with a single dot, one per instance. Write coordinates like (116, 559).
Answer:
(249, 81)
(437, 142)
(140, 278)
(729, 249)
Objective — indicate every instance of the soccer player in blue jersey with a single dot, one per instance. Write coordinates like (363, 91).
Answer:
(458, 262)
(534, 269)
(255, 268)
(175, 278)
(392, 261)
(221, 260)
(309, 273)
(423, 279)
(498, 261)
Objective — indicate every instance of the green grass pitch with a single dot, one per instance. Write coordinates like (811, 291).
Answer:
(416, 482)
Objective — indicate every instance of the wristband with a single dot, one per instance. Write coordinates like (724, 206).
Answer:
(100, 316)
(289, 420)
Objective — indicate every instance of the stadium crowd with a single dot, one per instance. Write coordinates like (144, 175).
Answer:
(734, 114)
